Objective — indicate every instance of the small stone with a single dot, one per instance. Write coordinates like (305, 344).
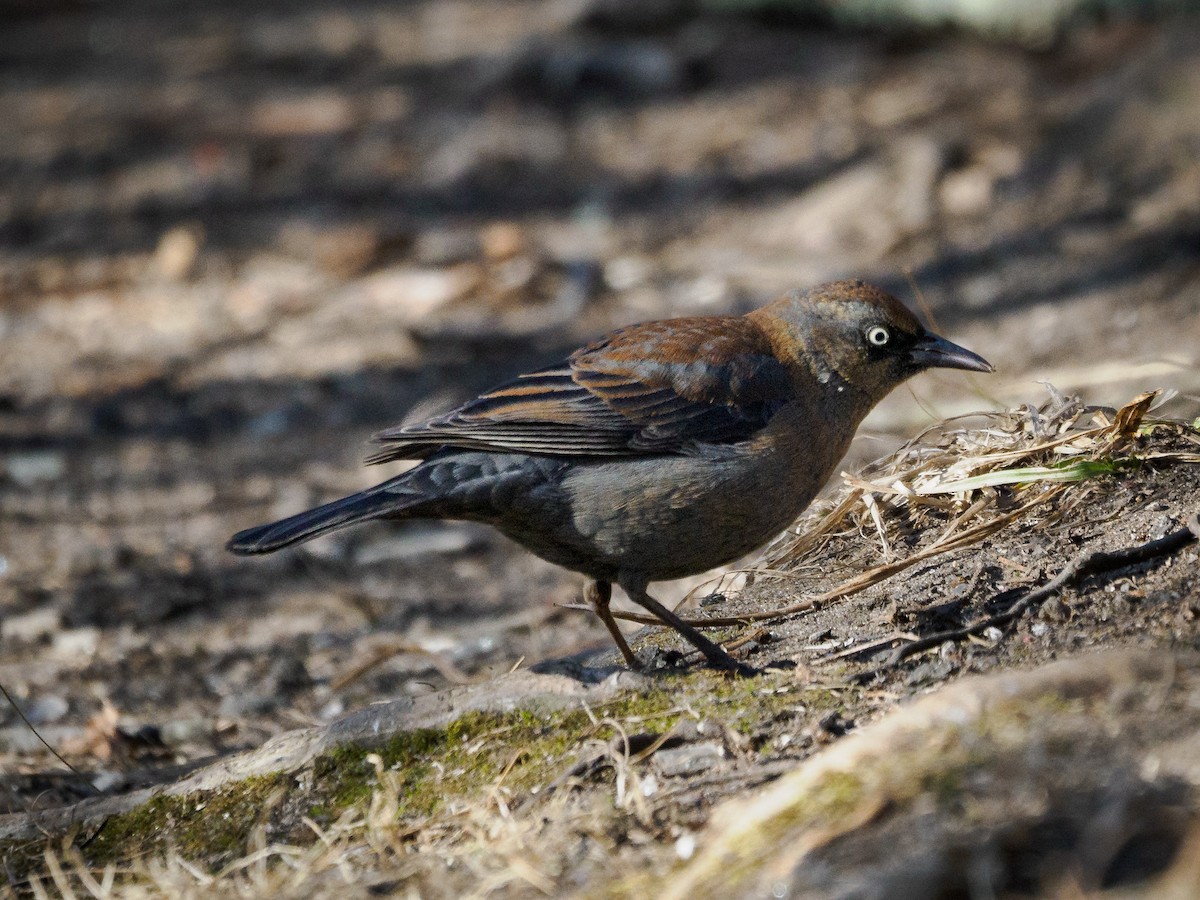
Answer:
(689, 759)
(502, 241)
(76, 643)
(46, 709)
(185, 731)
(834, 724)
(31, 625)
(332, 710)
(627, 272)
(966, 191)
(649, 786)
(177, 251)
(108, 781)
(685, 846)
(28, 469)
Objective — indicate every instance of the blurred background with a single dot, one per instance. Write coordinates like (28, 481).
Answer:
(238, 238)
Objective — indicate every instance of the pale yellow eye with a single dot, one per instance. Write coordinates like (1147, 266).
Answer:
(878, 336)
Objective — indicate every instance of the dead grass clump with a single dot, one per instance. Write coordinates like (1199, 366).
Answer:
(468, 851)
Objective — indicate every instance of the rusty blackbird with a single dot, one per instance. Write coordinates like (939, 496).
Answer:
(658, 451)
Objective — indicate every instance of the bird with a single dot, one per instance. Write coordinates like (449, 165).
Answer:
(661, 450)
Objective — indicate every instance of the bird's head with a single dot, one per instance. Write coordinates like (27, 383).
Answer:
(855, 336)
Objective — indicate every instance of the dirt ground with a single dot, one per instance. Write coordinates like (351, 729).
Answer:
(237, 240)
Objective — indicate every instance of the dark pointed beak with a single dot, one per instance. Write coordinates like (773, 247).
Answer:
(933, 352)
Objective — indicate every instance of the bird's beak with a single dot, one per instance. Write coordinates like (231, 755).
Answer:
(933, 352)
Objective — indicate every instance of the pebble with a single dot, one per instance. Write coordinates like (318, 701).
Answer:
(31, 625)
(627, 272)
(77, 643)
(689, 759)
(184, 731)
(28, 469)
(177, 251)
(332, 710)
(685, 846)
(108, 781)
(502, 241)
(46, 709)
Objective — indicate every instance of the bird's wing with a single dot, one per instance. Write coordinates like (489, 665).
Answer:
(658, 388)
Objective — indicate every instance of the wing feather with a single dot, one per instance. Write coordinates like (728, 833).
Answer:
(654, 389)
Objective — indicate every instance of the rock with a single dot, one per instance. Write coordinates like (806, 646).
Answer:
(76, 643)
(185, 731)
(502, 241)
(689, 759)
(35, 466)
(46, 709)
(30, 626)
(177, 251)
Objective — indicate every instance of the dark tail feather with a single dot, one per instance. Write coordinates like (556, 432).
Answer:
(370, 504)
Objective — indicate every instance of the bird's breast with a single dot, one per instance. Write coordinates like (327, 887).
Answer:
(678, 515)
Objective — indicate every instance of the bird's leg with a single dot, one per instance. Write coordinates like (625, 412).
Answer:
(717, 657)
(599, 594)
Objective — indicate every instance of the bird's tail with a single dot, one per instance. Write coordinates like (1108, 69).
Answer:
(374, 503)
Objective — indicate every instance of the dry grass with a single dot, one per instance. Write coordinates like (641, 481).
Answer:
(466, 851)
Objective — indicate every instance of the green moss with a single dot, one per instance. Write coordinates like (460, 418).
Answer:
(215, 826)
(459, 762)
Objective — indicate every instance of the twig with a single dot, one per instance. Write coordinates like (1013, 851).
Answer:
(1081, 567)
(83, 779)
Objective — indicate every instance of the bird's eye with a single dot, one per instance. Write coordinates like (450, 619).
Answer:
(878, 336)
